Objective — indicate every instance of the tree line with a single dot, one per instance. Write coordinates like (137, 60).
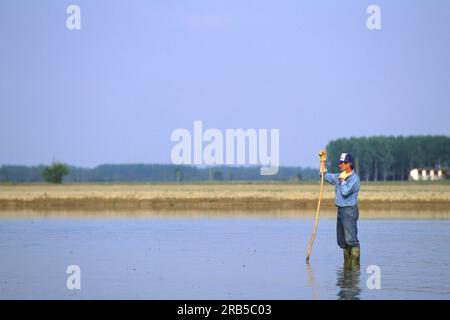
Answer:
(391, 157)
(376, 158)
(58, 172)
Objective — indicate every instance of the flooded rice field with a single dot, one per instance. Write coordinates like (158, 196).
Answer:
(209, 256)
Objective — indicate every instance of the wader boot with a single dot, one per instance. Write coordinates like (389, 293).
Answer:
(355, 255)
(347, 257)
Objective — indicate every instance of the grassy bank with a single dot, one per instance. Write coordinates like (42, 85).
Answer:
(213, 196)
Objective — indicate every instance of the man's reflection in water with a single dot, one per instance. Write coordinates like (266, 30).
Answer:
(348, 279)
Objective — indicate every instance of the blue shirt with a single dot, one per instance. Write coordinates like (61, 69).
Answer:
(346, 191)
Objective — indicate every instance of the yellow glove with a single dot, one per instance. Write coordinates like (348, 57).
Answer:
(344, 175)
(323, 158)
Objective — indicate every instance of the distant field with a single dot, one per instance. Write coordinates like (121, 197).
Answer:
(260, 196)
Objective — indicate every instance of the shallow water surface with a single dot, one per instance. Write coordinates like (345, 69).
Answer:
(204, 257)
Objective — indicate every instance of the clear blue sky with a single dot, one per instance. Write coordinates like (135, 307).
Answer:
(114, 91)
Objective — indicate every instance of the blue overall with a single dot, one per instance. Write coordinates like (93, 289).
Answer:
(347, 204)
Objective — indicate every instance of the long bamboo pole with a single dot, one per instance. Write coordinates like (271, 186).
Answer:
(323, 158)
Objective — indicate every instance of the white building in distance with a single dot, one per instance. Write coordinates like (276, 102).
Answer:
(427, 174)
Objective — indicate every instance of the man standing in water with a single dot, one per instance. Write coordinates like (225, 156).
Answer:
(346, 188)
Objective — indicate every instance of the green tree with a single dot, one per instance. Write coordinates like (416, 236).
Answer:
(390, 157)
(218, 175)
(179, 175)
(55, 172)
